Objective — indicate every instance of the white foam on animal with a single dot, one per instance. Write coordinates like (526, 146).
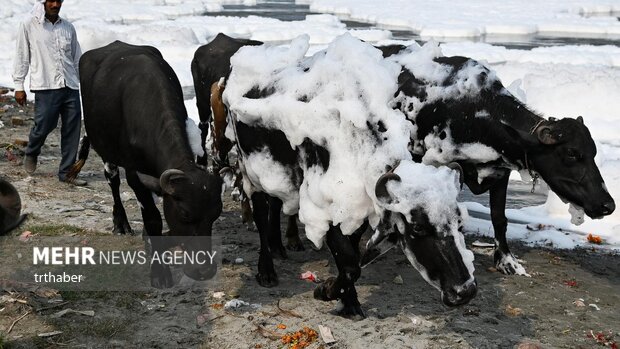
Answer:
(435, 190)
(328, 98)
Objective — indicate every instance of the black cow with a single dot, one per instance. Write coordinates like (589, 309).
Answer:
(211, 63)
(10, 207)
(135, 118)
(210, 67)
(560, 151)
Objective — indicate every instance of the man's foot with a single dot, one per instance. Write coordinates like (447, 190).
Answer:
(77, 182)
(30, 164)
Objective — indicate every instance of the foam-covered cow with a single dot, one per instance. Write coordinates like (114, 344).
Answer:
(317, 136)
(461, 112)
(210, 68)
(135, 118)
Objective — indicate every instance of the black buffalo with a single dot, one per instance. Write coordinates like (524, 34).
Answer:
(135, 118)
(560, 151)
(10, 207)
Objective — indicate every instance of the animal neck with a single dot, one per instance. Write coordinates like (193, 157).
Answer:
(521, 126)
(175, 152)
(523, 120)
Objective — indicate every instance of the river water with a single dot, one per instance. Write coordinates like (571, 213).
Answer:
(519, 193)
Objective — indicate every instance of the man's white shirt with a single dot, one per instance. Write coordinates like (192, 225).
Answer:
(51, 52)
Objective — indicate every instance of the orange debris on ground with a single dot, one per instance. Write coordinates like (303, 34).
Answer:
(300, 339)
(595, 239)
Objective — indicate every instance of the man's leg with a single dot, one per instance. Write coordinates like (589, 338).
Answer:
(71, 115)
(46, 109)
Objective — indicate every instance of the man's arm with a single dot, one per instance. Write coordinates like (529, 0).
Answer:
(76, 50)
(21, 64)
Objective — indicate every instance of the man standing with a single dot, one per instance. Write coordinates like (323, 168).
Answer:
(48, 45)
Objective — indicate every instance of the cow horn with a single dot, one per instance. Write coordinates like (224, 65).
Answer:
(10, 207)
(381, 191)
(580, 119)
(166, 179)
(459, 170)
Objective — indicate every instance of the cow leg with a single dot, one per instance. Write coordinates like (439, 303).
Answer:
(119, 216)
(266, 276)
(275, 232)
(504, 260)
(204, 130)
(292, 235)
(470, 177)
(357, 236)
(246, 212)
(161, 277)
(343, 286)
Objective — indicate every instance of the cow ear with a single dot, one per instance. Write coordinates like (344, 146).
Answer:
(380, 243)
(169, 179)
(150, 182)
(580, 119)
(459, 172)
(545, 135)
(381, 191)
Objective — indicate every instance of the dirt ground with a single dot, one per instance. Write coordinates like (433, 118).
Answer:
(572, 299)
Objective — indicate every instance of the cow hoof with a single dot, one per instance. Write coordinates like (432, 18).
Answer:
(508, 264)
(267, 279)
(350, 311)
(295, 245)
(324, 291)
(161, 277)
(125, 229)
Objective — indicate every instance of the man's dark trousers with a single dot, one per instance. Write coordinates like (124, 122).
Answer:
(48, 106)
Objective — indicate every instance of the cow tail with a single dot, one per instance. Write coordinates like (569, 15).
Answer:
(81, 158)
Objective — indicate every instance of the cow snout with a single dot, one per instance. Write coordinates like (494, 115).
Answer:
(608, 208)
(459, 295)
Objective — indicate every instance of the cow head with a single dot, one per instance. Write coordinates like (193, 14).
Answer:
(431, 239)
(562, 152)
(10, 207)
(192, 202)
